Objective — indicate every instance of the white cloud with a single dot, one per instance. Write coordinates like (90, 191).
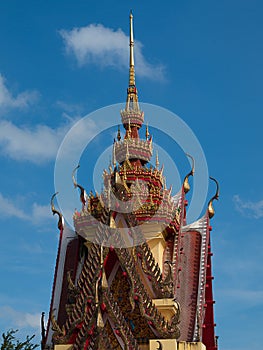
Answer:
(22, 100)
(249, 208)
(20, 319)
(96, 44)
(37, 214)
(76, 109)
(38, 144)
(40, 213)
(9, 209)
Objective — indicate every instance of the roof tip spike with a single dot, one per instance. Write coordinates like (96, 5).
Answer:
(132, 94)
(157, 161)
(132, 74)
(114, 156)
(147, 131)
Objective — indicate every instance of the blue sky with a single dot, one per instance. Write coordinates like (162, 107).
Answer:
(201, 60)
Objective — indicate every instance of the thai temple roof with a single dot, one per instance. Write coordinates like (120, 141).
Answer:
(139, 277)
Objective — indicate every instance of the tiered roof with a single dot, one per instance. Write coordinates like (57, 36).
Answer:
(140, 273)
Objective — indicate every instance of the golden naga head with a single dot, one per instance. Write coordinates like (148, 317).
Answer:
(186, 184)
(210, 208)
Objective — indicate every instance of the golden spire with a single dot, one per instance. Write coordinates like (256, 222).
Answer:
(132, 98)
(132, 73)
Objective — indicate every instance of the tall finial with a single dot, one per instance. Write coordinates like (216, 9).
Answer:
(147, 132)
(113, 156)
(157, 160)
(132, 73)
(132, 104)
(132, 97)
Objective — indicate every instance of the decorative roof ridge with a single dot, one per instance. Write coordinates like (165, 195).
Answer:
(90, 270)
(87, 328)
(166, 329)
(92, 313)
(152, 270)
(120, 320)
(101, 342)
(146, 305)
(133, 148)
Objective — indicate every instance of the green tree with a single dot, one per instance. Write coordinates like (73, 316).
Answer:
(10, 342)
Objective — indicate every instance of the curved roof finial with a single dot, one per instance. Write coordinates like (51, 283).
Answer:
(83, 195)
(211, 210)
(54, 211)
(191, 173)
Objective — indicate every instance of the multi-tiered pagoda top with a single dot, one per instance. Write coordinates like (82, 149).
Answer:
(135, 276)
